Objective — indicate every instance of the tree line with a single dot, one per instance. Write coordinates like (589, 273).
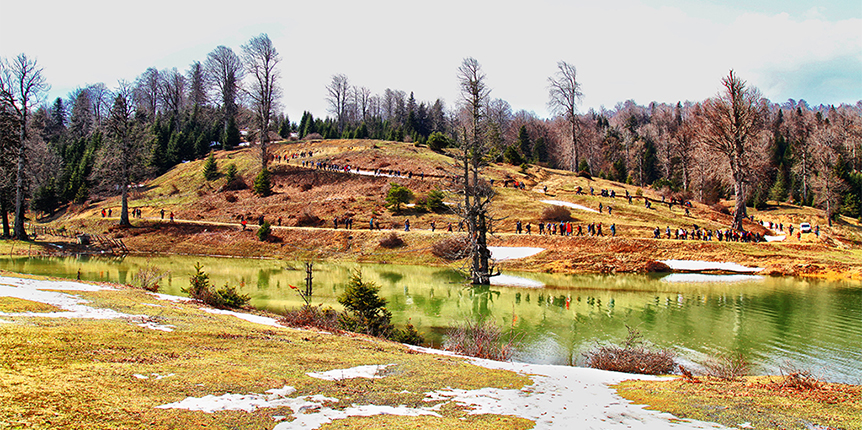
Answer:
(100, 140)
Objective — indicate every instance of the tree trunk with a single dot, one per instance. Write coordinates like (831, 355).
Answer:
(739, 212)
(4, 213)
(124, 209)
(19, 232)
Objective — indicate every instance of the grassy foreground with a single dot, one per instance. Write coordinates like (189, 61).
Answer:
(81, 373)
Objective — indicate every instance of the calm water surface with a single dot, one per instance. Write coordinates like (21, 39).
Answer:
(776, 322)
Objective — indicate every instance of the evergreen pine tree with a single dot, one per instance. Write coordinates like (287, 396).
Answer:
(524, 142)
(210, 168)
(262, 185)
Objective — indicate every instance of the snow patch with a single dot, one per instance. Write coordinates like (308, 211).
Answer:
(699, 266)
(171, 298)
(249, 402)
(501, 253)
(372, 371)
(569, 205)
(774, 238)
(45, 284)
(515, 281)
(155, 326)
(248, 317)
(72, 305)
(703, 277)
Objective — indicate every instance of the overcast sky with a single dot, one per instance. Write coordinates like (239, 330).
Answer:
(645, 50)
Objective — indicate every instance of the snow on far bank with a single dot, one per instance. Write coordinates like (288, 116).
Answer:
(699, 266)
(371, 371)
(703, 277)
(501, 253)
(248, 317)
(774, 238)
(515, 281)
(569, 205)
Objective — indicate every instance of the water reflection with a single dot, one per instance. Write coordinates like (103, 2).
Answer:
(814, 325)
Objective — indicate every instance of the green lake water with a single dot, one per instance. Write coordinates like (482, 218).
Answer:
(775, 322)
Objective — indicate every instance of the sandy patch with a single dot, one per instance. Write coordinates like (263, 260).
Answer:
(569, 205)
(502, 253)
(699, 266)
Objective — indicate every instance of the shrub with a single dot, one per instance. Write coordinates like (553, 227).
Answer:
(478, 339)
(437, 141)
(556, 213)
(434, 201)
(365, 310)
(233, 180)
(391, 241)
(312, 316)
(201, 290)
(262, 185)
(313, 136)
(727, 366)
(408, 335)
(264, 231)
(631, 357)
(230, 198)
(453, 248)
(720, 208)
(306, 219)
(210, 168)
(148, 277)
(397, 195)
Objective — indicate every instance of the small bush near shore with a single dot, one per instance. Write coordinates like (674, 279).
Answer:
(556, 213)
(391, 241)
(408, 335)
(454, 248)
(264, 231)
(312, 316)
(631, 357)
(728, 366)
(225, 297)
(148, 277)
(478, 339)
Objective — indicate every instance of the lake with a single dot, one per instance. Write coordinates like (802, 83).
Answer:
(777, 322)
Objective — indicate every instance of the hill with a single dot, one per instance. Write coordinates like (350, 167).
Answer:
(315, 182)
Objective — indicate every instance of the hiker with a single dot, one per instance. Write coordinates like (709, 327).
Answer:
(613, 230)
(600, 207)
(599, 230)
(406, 225)
(656, 233)
(667, 231)
(371, 224)
(243, 222)
(109, 211)
(528, 228)
(609, 209)
(433, 226)
(541, 228)
(103, 213)
(279, 221)
(335, 223)
(172, 216)
(449, 228)
(518, 227)
(260, 220)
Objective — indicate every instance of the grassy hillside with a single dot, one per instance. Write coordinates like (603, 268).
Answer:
(208, 218)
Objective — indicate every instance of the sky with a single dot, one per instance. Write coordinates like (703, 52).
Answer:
(644, 50)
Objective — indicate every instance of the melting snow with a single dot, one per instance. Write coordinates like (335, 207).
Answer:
(248, 317)
(371, 372)
(703, 277)
(569, 205)
(501, 253)
(698, 266)
(515, 281)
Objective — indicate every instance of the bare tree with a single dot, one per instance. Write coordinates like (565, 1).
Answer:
(474, 152)
(100, 101)
(172, 86)
(362, 100)
(81, 121)
(261, 60)
(21, 86)
(827, 145)
(734, 127)
(225, 72)
(565, 96)
(9, 135)
(338, 96)
(121, 158)
(146, 92)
